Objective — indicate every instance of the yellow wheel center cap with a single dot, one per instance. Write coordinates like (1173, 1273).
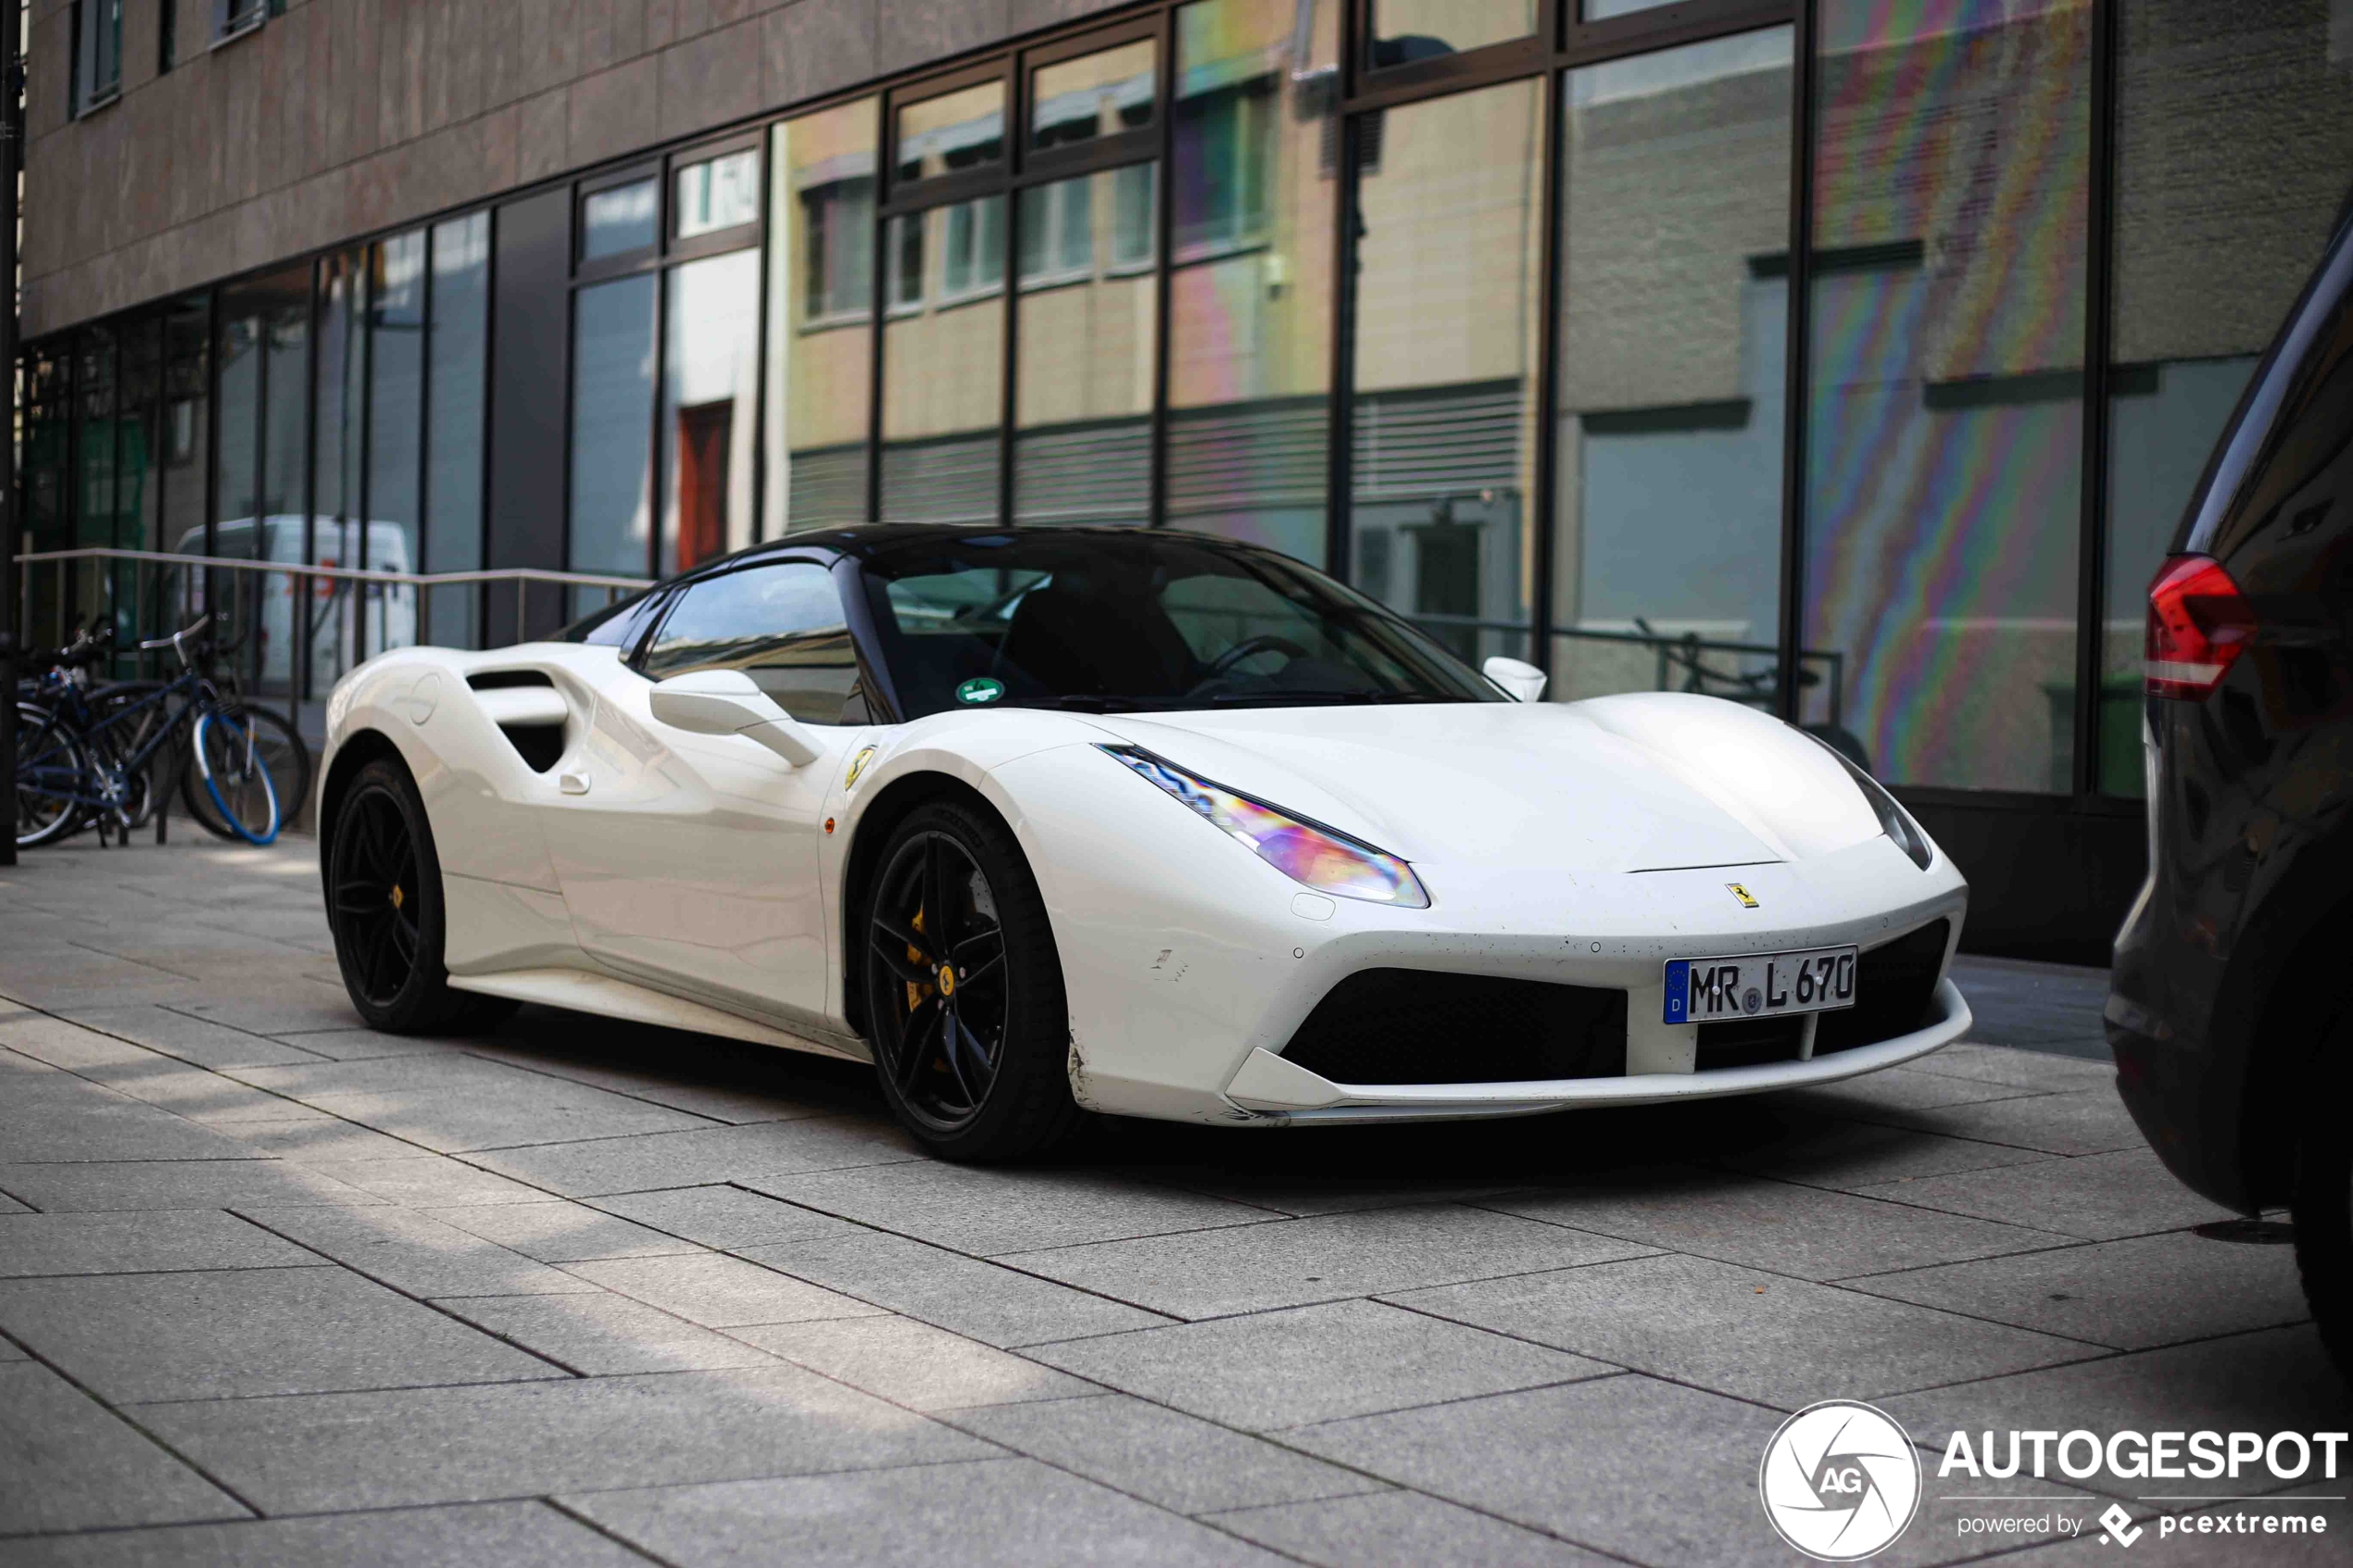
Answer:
(398, 897)
(947, 981)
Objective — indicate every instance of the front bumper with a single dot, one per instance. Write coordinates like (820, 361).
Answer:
(1279, 1091)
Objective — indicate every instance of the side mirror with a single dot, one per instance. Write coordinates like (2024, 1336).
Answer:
(727, 702)
(1521, 681)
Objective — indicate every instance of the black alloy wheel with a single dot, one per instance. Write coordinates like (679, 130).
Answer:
(377, 906)
(385, 906)
(963, 991)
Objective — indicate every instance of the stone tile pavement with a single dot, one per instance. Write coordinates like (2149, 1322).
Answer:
(275, 1288)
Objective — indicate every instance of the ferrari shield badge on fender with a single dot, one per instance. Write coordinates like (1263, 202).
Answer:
(979, 689)
(857, 766)
(1748, 899)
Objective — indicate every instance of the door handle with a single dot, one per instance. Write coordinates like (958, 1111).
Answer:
(572, 784)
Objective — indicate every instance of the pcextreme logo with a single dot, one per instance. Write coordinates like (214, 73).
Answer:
(1840, 1481)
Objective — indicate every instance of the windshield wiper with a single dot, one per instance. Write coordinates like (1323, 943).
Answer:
(1283, 699)
(1093, 702)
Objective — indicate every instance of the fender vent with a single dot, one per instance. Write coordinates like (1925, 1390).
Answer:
(1419, 1026)
(1894, 985)
(534, 726)
(541, 746)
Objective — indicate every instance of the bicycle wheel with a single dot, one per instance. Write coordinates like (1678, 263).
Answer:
(276, 749)
(125, 727)
(51, 771)
(236, 775)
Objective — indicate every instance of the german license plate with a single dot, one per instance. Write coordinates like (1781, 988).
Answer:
(1759, 985)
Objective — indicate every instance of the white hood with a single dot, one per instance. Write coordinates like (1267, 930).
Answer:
(1653, 782)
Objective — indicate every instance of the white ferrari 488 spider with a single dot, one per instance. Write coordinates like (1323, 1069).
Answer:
(1060, 820)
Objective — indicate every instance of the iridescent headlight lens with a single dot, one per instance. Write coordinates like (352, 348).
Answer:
(1325, 858)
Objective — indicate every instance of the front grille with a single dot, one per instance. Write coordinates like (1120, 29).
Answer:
(1894, 985)
(1749, 1042)
(1420, 1026)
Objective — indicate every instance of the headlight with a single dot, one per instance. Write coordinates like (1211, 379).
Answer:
(1891, 816)
(1325, 858)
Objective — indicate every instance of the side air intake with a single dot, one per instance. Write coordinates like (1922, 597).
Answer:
(529, 711)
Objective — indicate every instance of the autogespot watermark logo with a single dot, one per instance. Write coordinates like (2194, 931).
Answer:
(1840, 1481)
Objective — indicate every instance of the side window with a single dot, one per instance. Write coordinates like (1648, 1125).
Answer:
(617, 626)
(782, 625)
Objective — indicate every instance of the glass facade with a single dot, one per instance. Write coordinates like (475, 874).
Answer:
(1449, 298)
(1090, 299)
(821, 321)
(1672, 345)
(2234, 139)
(943, 363)
(1505, 311)
(1255, 132)
(1946, 424)
(457, 408)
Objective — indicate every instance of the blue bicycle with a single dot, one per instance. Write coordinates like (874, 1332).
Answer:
(108, 757)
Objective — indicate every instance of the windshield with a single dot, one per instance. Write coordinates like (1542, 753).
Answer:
(1110, 622)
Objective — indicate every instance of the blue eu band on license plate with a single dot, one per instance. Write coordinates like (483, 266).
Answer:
(1759, 985)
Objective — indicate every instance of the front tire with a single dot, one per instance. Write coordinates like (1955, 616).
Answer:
(963, 990)
(385, 906)
(2322, 1208)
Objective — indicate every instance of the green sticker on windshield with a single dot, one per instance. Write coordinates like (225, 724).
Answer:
(980, 688)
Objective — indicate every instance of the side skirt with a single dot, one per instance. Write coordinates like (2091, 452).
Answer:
(608, 998)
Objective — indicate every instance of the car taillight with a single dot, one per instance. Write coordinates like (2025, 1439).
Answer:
(2198, 622)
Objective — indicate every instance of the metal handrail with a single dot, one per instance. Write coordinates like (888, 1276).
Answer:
(345, 573)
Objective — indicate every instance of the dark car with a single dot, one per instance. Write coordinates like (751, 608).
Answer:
(2231, 1008)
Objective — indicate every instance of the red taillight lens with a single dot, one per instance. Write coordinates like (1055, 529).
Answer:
(2199, 621)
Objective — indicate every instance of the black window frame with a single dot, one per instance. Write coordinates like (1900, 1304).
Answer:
(86, 93)
(232, 20)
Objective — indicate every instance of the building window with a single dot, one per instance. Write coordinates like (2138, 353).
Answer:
(903, 287)
(612, 367)
(457, 354)
(1945, 426)
(167, 35)
(1101, 94)
(838, 241)
(620, 220)
(235, 18)
(1250, 309)
(1445, 395)
(972, 259)
(820, 369)
(1057, 233)
(711, 378)
(1226, 140)
(943, 369)
(952, 133)
(1407, 31)
(97, 53)
(715, 193)
(1667, 501)
(2233, 145)
(1082, 442)
(1134, 219)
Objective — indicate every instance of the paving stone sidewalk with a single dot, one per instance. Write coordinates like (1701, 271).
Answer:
(277, 1289)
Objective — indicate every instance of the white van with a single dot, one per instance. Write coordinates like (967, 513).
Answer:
(349, 621)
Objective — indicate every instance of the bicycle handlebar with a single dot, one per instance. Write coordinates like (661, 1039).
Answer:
(177, 641)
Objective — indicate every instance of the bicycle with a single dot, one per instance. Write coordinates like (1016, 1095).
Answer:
(91, 757)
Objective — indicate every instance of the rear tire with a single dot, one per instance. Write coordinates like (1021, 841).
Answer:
(2322, 1207)
(51, 773)
(963, 990)
(384, 906)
